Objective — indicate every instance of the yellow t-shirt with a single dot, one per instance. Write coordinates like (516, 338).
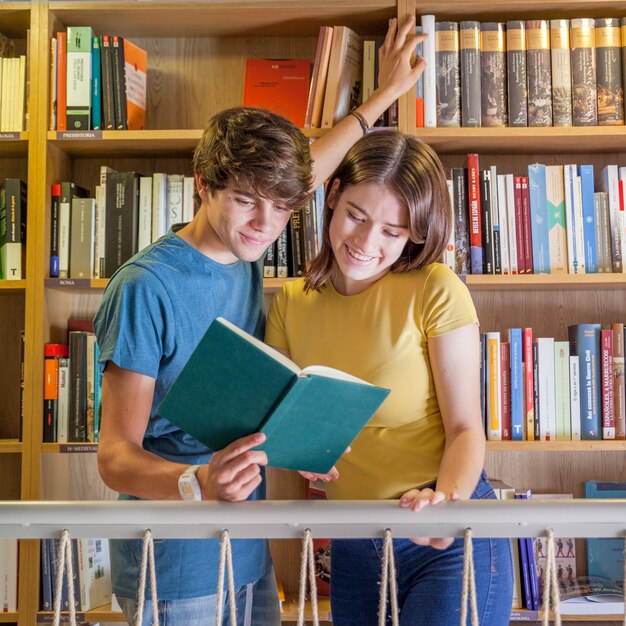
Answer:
(380, 335)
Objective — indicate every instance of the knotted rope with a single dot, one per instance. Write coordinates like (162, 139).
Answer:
(468, 591)
(147, 559)
(226, 563)
(551, 585)
(65, 563)
(307, 565)
(388, 579)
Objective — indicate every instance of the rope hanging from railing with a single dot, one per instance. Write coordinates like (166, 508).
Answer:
(551, 584)
(468, 589)
(388, 580)
(147, 560)
(226, 565)
(307, 566)
(65, 564)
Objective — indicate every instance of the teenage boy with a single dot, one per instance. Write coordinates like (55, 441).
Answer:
(251, 169)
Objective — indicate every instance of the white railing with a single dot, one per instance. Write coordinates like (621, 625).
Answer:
(288, 519)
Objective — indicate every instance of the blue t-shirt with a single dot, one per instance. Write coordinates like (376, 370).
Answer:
(154, 312)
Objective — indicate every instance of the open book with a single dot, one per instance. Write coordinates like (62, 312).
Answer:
(234, 385)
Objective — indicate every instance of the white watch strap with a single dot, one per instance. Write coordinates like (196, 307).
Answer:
(188, 486)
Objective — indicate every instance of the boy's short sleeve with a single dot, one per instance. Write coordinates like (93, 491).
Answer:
(275, 333)
(135, 324)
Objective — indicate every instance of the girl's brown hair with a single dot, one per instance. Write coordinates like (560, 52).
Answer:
(413, 171)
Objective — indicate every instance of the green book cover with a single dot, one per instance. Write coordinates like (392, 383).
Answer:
(234, 385)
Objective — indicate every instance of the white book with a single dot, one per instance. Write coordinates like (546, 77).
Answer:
(547, 399)
(574, 396)
(99, 233)
(493, 386)
(144, 231)
(8, 575)
(573, 217)
(82, 237)
(159, 205)
(63, 404)
(94, 566)
(557, 233)
(510, 216)
(369, 69)
(579, 233)
(174, 199)
(189, 187)
(449, 253)
(561, 389)
(430, 73)
(20, 112)
(504, 224)
(495, 217)
(64, 239)
(609, 182)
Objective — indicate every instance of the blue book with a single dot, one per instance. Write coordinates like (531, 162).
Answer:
(584, 342)
(234, 385)
(96, 85)
(539, 218)
(46, 576)
(605, 557)
(527, 558)
(517, 384)
(97, 393)
(589, 218)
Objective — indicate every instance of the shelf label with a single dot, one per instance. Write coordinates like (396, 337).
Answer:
(71, 448)
(68, 282)
(48, 618)
(78, 135)
(10, 136)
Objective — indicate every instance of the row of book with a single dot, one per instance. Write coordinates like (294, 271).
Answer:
(541, 389)
(524, 72)
(90, 237)
(96, 83)
(12, 228)
(13, 87)
(552, 221)
(72, 406)
(8, 575)
(92, 574)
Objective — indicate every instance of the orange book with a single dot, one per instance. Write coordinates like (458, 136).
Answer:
(136, 73)
(279, 85)
(61, 80)
(318, 78)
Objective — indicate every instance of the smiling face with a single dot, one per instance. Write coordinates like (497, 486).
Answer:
(368, 231)
(242, 224)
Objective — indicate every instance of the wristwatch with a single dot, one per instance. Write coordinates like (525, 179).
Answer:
(188, 485)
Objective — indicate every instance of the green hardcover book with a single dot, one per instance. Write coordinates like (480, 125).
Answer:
(234, 385)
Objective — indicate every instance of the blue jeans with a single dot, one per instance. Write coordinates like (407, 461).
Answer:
(429, 580)
(257, 605)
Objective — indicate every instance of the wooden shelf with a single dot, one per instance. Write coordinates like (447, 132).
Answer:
(557, 446)
(290, 609)
(69, 448)
(100, 614)
(10, 446)
(225, 18)
(596, 139)
(76, 283)
(8, 617)
(12, 286)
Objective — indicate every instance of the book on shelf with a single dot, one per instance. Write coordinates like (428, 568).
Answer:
(135, 81)
(279, 85)
(315, 102)
(12, 228)
(8, 575)
(79, 41)
(321, 546)
(234, 385)
(118, 71)
(96, 85)
(591, 595)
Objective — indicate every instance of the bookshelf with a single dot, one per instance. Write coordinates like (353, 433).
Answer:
(196, 60)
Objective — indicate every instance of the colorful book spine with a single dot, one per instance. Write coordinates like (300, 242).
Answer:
(589, 225)
(461, 220)
(486, 225)
(493, 387)
(475, 222)
(584, 99)
(106, 71)
(603, 234)
(503, 223)
(469, 41)
(561, 73)
(79, 74)
(574, 395)
(505, 390)
(54, 230)
(448, 74)
(584, 342)
(516, 72)
(538, 73)
(608, 384)
(529, 383)
(61, 83)
(539, 215)
(574, 227)
(610, 184)
(527, 239)
(517, 384)
(495, 220)
(619, 386)
(430, 73)
(494, 110)
(610, 85)
(557, 231)
(96, 85)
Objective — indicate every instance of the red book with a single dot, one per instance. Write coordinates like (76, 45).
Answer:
(606, 372)
(526, 227)
(519, 228)
(529, 385)
(505, 389)
(279, 85)
(61, 80)
(473, 200)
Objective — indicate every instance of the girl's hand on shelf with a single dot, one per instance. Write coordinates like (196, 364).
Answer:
(399, 67)
(417, 499)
